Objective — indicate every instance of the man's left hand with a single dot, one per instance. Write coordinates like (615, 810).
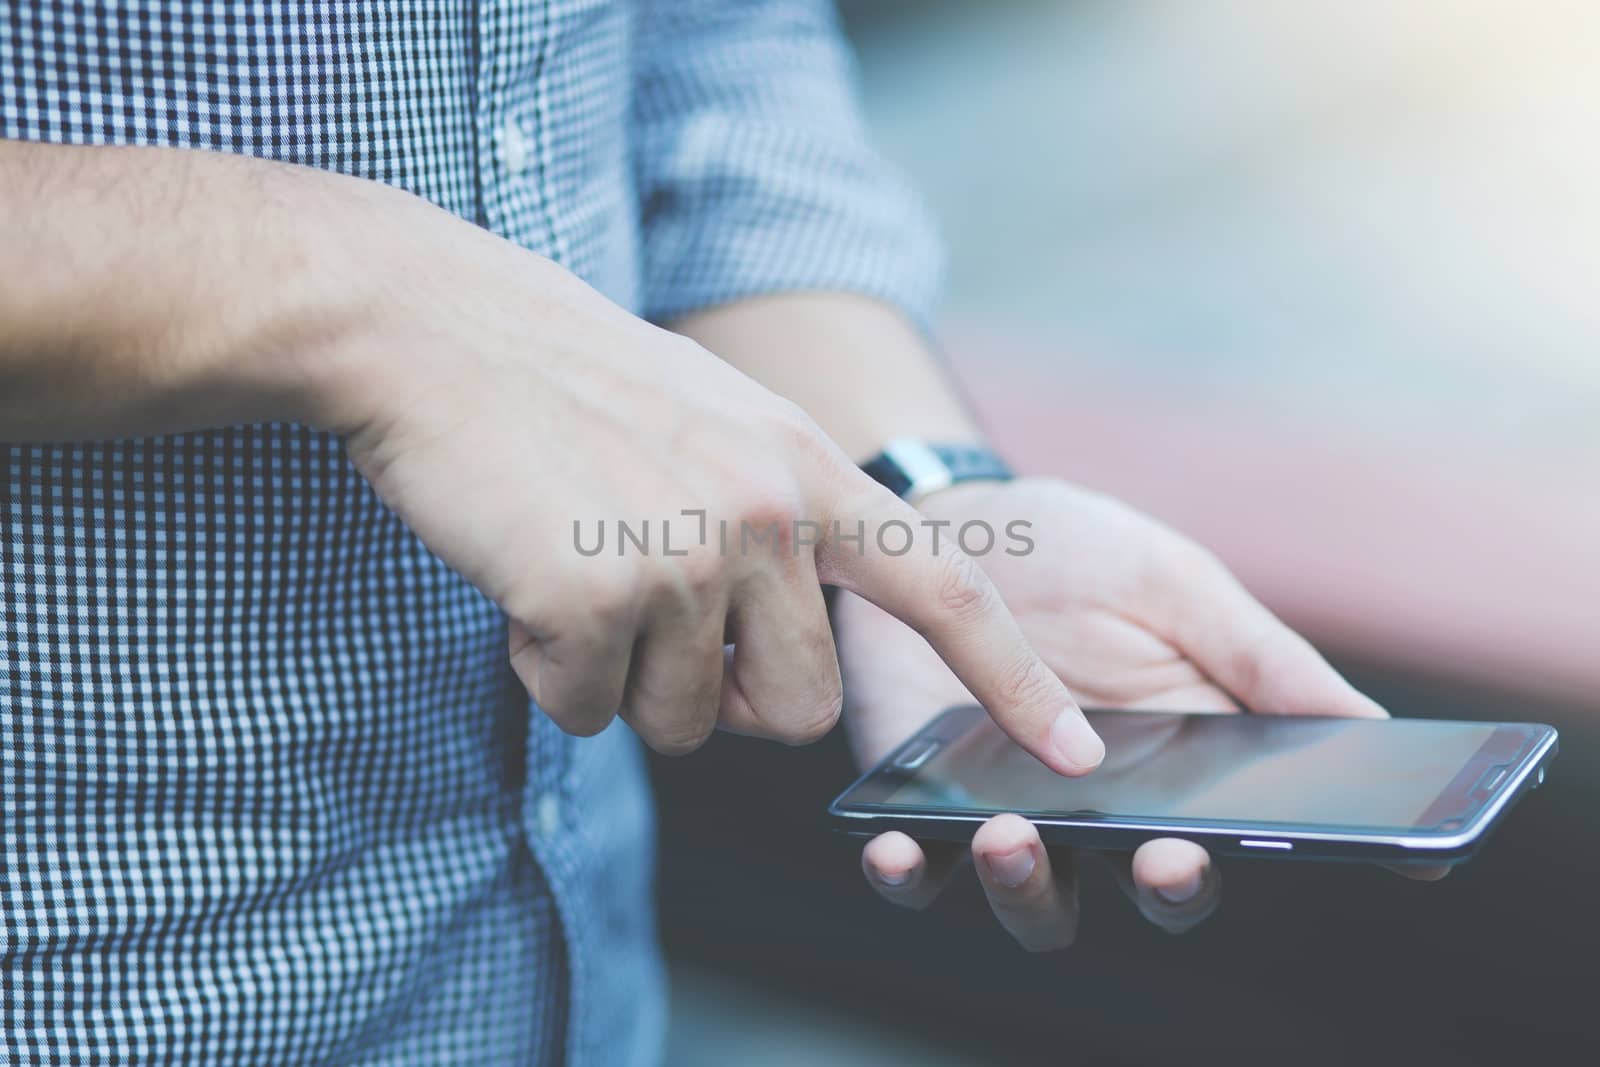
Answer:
(1129, 614)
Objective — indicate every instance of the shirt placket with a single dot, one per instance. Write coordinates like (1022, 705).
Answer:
(513, 123)
(506, 146)
(513, 36)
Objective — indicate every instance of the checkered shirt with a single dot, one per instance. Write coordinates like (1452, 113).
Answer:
(268, 792)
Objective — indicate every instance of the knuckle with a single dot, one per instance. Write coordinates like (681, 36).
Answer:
(699, 575)
(796, 712)
(769, 519)
(792, 425)
(678, 736)
(963, 589)
(814, 725)
(578, 717)
(824, 704)
(609, 597)
(802, 719)
(1251, 664)
(1024, 682)
(800, 437)
(581, 697)
(766, 503)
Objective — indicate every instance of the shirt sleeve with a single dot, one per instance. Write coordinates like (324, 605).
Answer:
(754, 170)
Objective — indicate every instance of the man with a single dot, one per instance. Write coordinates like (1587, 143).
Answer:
(307, 392)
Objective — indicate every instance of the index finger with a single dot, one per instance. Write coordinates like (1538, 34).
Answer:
(879, 549)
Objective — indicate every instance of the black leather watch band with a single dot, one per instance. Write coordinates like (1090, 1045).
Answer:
(911, 469)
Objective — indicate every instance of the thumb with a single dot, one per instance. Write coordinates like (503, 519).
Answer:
(1249, 652)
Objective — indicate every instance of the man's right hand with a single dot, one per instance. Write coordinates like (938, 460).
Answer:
(495, 401)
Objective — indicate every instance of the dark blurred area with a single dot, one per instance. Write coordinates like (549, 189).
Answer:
(1317, 284)
(1304, 963)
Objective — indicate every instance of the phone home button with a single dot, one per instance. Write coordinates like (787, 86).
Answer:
(916, 755)
(1270, 846)
(1491, 778)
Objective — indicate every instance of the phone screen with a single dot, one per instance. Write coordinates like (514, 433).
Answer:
(1236, 768)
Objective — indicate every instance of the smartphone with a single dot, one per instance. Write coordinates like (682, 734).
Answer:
(1294, 787)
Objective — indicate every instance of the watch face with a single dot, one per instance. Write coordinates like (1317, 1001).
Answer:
(923, 469)
(910, 469)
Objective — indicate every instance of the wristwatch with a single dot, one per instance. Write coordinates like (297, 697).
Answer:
(912, 469)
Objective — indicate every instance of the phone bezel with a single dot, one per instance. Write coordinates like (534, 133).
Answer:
(1457, 820)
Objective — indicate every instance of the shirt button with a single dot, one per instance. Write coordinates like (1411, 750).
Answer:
(547, 813)
(515, 151)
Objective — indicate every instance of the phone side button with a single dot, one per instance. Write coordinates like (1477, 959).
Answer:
(1276, 846)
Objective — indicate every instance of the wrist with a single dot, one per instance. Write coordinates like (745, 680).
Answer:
(959, 497)
(383, 263)
(310, 349)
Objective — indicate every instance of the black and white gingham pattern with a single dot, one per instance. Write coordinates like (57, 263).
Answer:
(268, 793)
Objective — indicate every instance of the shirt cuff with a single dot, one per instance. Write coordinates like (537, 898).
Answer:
(744, 210)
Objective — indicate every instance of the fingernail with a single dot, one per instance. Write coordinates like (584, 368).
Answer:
(1011, 869)
(1076, 741)
(1182, 892)
(894, 879)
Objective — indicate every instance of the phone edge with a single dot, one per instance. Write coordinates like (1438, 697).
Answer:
(1226, 841)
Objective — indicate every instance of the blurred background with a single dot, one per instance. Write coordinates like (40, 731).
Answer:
(1318, 283)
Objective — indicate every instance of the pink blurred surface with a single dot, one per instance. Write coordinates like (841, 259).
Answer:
(1445, 555)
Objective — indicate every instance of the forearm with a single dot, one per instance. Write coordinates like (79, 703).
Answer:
(854, 364)
(151, 290)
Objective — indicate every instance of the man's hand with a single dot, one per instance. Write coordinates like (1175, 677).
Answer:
(1128, 614)
(514, 403)
(494, 401)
